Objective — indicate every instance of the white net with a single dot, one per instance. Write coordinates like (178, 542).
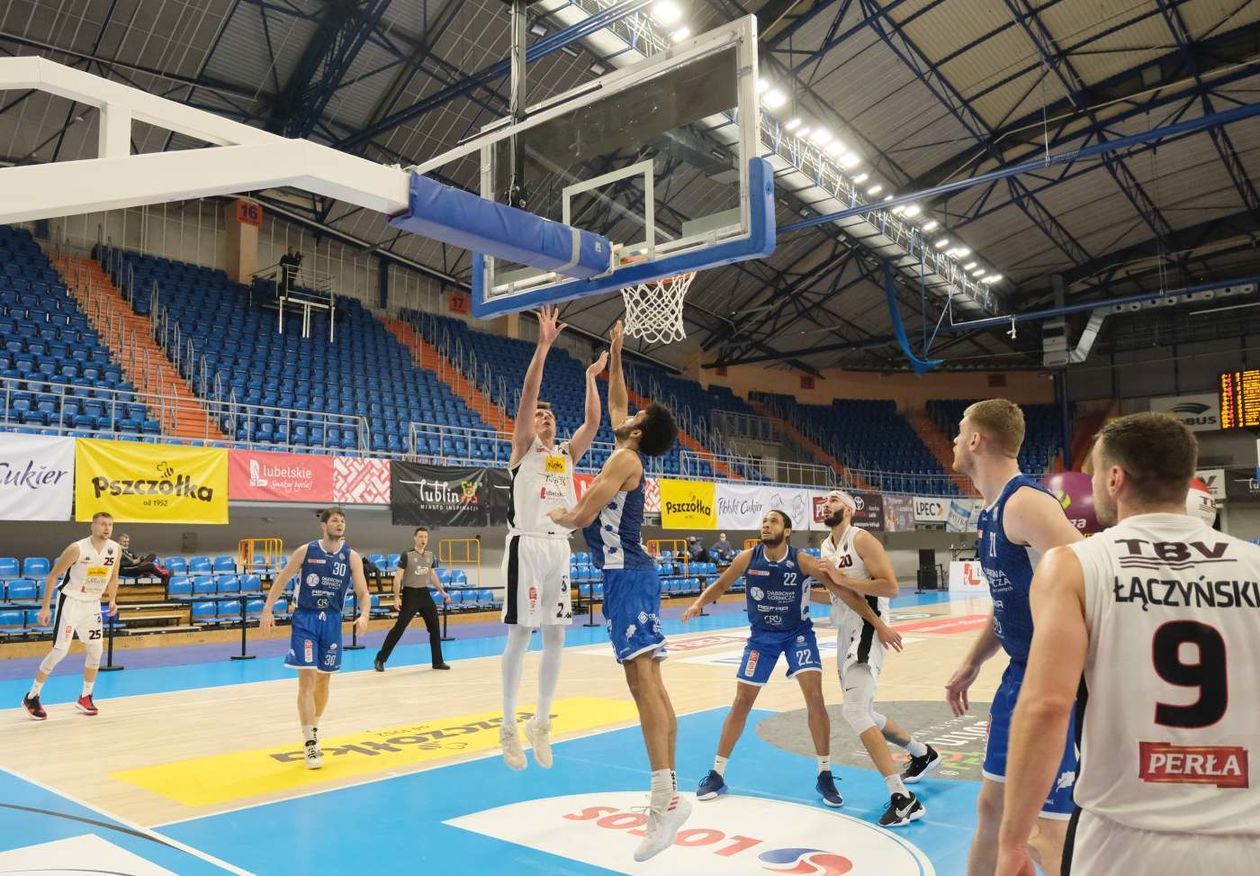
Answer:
(654, 310)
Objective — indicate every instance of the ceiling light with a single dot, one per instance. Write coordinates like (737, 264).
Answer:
(888, 197)
(977, 272)
(774, 98)
(834, 147)
(962, 252)
(979, 275)
(899, 209)
(538, 29)
(762, 86)
(666, 12)
(681, 34)
(821, 136)
(850, 159)
(992, 278)
(913, 210)
(942, 243)
(969, 266)
(931, 225)
(875, 190)
(793, 124)
(598, 69)
(803, 132)
(861, 178)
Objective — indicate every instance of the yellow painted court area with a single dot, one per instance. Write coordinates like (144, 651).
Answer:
(225, 778)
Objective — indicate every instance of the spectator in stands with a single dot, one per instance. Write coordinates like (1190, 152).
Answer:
(297, 264)
(722, 550)
(135, 566)
(697, 551)
(288, 268)
(417, 572)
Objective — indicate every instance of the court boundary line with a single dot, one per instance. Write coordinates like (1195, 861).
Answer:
(149, 832)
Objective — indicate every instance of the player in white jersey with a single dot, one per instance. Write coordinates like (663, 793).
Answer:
(860, 650)
(84, 574)
(1156, 620)
(536, 555)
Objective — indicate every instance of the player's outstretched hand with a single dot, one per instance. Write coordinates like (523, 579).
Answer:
(617, 335)
(692, 611)
(267, 622)
(956, 688)
(597, 367)
(549, 327)
(889, 637)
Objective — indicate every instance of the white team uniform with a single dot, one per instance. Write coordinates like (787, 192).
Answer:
(856, 641)
(79, 593)
(536, 557)
(1170, 720)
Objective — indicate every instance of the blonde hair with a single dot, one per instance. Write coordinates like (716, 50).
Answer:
(1001, 421)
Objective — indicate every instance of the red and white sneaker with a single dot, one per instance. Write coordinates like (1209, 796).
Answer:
(85, 705)
(33, 708)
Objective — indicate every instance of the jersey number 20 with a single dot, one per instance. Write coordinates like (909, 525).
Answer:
(1208, 674)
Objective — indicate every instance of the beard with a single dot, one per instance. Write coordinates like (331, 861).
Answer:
(622, 433)
(1105, 510)
(834, 519)
(771, 541)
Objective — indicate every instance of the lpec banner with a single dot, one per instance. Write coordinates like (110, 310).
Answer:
(150, 483)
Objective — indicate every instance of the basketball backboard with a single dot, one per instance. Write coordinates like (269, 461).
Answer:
(660, 157)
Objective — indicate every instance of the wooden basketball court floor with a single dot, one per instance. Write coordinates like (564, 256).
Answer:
(198, 768)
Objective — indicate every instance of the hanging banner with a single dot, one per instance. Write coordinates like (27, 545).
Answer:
(964, 515)
(359, 481)
(793, 502)
(741, 506)
(929, 509)
(870, 511)
(688, 504)
(280, 477)
(432, 495)
(1241, 483)
(150, 483)
(36, 477)
(1198, 413)
(1214, 480)
(652, 496)
(819, 515)
(581, 483)
(899, 513)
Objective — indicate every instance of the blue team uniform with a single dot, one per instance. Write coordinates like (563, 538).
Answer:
(632, 587)
(777, 600)
(1009, 570)
(319, 594)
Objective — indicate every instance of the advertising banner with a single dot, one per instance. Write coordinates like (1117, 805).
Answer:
(870, 510)
(36, 477)
(741, 506)
(433, 495)
(899, 514)
(688, 504)
(359, 481)
(280, 477)
(1198, 413)
(150, 483)
(966, 576)
(930, 509)
(964, 515)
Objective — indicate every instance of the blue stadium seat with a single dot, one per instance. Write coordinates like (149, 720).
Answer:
(9, 568)
(200, 566)
(35, 567)
(203, 612)
(224, 565)
(180, 587)
(228, 584)
(22, 589)
(204, 585)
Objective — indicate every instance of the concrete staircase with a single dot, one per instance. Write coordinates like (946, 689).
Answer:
(129, 338)
(940, 446)
(428, 357)
(807, 443)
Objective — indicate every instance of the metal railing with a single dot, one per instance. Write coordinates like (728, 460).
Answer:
(455, 445)
(113, 404)
(246, 425)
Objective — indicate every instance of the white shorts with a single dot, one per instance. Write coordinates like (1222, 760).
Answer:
(81, 617)
(859, 645)
(536, 577)
(1097, 846)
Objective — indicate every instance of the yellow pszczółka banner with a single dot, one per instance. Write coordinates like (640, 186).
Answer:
(688, 504)
(150, 483)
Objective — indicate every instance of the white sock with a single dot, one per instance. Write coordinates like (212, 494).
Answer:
(916, 748)
(549, 672)
(87, 688)
(308, 733)
(663, 788)
(824, 763)
(36, 687)
(895, 786)
(719, 765)
(511, 668)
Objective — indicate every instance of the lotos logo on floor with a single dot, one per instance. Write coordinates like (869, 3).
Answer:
(742, 835)
(806, 861)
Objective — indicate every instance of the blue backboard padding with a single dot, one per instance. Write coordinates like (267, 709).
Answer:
(758, 244)
(466, 220)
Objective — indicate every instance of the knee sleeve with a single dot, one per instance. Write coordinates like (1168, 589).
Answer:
(859, 696)
(92, 659)
(51, 659)
(881, 721)
(858, 715)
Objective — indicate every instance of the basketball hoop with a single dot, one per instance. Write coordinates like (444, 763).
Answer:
(654, 310)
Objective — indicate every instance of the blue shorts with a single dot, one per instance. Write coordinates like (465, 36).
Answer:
(315, 640)
(1059, 804)
(761, 654)
(632, 612)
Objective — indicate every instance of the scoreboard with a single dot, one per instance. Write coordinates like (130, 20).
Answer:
(1240, 399)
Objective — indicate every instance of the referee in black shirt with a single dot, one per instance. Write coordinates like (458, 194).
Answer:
(417, 570)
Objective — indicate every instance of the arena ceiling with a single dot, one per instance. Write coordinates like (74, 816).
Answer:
(927, 91)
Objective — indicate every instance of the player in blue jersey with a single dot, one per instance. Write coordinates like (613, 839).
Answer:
(1020, 522)
(325, 569)
(610, 513)
(777, 597)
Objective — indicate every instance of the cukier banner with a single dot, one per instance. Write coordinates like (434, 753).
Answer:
(432, 495)
(150, 483)
(741, 506)
(36, 477)
(280, 477)
(688, 504)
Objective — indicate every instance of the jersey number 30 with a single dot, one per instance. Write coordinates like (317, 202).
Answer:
(1208, 674)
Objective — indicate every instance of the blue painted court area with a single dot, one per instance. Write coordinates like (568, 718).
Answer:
(580, 814)
(37, 824)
